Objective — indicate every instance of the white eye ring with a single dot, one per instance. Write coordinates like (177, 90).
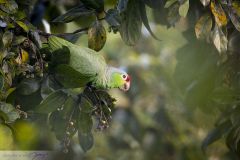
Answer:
(124, 76)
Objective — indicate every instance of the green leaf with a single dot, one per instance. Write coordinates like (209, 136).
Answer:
(73, 14)
(234, 17)
(131, 23)
(169, 3)
(203, 26)
(113, 17)
(59, 120)
(36, 39)
(96, 36)
(1, 82)
(122, 5)
(236, 7)
(23, 26)
(52, 102)
(58, 125)
(69, 77)
(28, 86)
(216, 134)
(11, 114)
(173, 14)
(18, 40)
(205, 2)
(9, 7)
(154, 4)
(60, 56)
(86, 140)
(145, 19)
(85, 122)
(48, 86)
(7, 38)
(183, 9)
(20, 15)
(86, 105)
(97, 5)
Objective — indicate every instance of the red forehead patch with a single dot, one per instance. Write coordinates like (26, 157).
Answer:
(128, 79)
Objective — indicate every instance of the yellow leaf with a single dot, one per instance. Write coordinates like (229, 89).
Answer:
(23, 57)
(96, 36)
(219, 14)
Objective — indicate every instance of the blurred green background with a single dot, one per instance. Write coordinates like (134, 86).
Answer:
(167, 112)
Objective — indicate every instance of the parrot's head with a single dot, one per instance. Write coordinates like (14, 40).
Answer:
(120, 79)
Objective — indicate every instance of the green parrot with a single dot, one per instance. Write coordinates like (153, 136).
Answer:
(91, 66)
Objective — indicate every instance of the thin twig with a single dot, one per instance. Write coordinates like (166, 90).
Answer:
(46, 35)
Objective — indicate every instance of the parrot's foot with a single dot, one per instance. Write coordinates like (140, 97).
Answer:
(91, 87)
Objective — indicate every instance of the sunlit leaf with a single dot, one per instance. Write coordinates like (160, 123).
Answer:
(7, 38)
(9, 7)
(23, 26)
(131, 23)
(18, 40)
(220, 40)
(219, 14)
(52, 102)
(183, 9)
(205, 2)
(96, 36)
(11, 113)
(23, 57)
(203, 26)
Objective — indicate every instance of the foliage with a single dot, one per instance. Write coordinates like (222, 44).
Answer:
(36, 83)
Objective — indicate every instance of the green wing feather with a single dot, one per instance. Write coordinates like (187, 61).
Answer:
(84, 60)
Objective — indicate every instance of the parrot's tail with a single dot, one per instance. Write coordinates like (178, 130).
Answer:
(56, 43)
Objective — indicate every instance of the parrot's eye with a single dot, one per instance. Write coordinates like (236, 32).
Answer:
(124, 76)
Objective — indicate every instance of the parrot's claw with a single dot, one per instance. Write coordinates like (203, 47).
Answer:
(91, 87)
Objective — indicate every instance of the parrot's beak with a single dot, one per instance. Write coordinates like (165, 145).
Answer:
(125, 87)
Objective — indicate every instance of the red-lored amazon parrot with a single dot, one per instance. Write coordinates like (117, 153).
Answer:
(92, 65)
